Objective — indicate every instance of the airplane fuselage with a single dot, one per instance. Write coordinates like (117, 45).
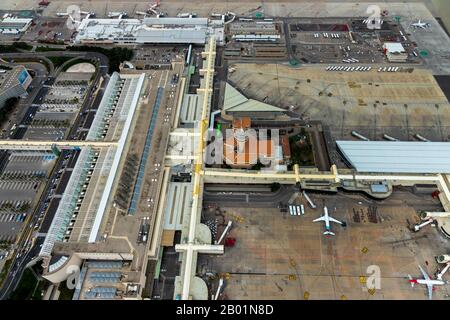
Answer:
(327, 219)
(428, 282)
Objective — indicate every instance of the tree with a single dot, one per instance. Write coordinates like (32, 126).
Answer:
(274, 187)
(9, 105)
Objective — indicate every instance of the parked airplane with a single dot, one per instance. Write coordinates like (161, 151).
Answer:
(115, 14)
(420, 24)
(152, 9)
(327, 219)
(427, 281)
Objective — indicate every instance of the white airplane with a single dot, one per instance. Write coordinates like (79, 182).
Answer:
(115, 14)
(427, 281)
(327, 220)
(420, 24)
(152, 8)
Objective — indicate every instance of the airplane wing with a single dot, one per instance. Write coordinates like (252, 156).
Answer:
(425, 275)
(334, 220)
(322, 218)
(430, 291)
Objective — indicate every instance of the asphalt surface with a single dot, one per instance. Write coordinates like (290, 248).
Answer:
(249, 199)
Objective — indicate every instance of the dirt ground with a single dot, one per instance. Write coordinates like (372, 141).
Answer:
(288, 257)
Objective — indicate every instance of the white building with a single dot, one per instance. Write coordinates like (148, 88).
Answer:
(14, 25)
(148, 30)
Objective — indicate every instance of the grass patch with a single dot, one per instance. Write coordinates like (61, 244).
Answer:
(23, 46)
(7, 48)
(29, 287)
(274, 187)
(258, 166)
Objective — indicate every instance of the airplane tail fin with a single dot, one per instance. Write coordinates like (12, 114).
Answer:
(329, 233)
(411, 280)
